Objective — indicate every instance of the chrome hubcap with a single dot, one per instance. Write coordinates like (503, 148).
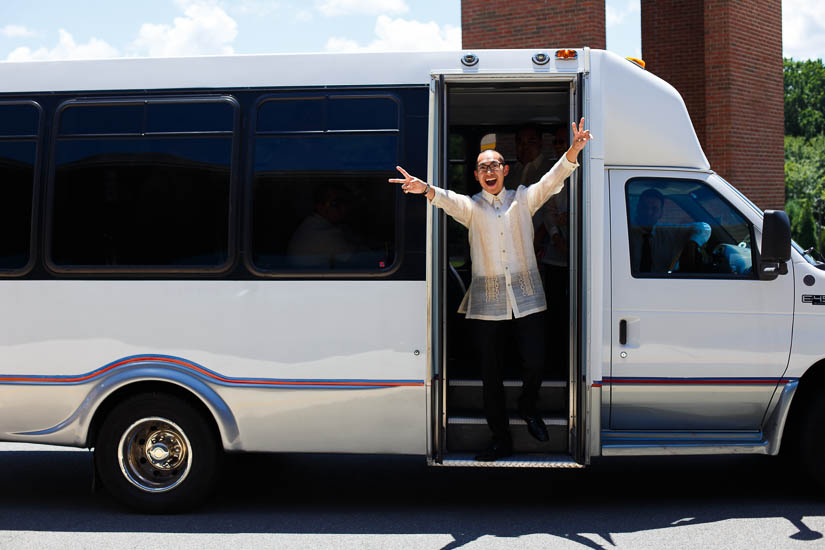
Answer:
(154, 454)
(158, 453)
(164, 449)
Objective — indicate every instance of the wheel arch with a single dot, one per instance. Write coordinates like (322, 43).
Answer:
(187, 388)
(811, 384)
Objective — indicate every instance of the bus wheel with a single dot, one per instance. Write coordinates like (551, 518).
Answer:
(156, 453)
(812, 439)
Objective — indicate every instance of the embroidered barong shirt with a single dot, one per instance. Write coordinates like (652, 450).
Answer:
(505, 278)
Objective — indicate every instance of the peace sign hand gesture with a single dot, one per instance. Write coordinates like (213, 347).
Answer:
(410, 184)
(580, 139)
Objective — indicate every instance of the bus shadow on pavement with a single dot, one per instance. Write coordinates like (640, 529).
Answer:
(347, 494)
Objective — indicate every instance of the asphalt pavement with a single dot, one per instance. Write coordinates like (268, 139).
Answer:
(389, 502)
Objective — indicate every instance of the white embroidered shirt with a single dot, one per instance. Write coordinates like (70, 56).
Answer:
(506, 281)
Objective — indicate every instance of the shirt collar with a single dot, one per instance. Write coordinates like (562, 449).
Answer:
(489, 197)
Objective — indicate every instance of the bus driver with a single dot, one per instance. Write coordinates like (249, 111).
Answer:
(506, 286)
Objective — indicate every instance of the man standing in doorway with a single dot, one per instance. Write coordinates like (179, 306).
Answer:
(506, 286)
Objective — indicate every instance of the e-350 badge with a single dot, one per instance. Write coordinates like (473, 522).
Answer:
(815, 299)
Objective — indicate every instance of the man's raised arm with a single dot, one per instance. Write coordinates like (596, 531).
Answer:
(553, 181)
(457, 206)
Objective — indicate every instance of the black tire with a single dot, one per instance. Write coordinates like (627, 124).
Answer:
(156, 453)
(812, 439)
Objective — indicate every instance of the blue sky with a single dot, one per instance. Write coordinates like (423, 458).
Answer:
(57, 29)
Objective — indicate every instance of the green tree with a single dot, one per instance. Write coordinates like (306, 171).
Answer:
(805, 189)
(804, 97)
(805, 151)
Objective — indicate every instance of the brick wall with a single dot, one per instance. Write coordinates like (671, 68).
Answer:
(673, 48)
(724, 57)
(487, 24)
(730, 74)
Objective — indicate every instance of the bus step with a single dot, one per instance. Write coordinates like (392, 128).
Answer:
(471, 434)
(516, 461)
(466, 394)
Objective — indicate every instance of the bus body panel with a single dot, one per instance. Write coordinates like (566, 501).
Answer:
(278, 352)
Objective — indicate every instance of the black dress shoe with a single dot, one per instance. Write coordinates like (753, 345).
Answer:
(498, 449)
(536, 427)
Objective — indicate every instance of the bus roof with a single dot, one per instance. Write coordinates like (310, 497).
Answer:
(638, 119)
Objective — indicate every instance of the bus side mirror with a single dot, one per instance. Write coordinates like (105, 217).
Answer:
(776, 245)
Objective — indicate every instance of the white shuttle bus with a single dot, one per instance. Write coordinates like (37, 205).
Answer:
(203, 255)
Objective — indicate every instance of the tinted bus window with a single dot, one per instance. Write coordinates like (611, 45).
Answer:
(19, 120)
(326, 152)
(19, 127)
(17, 160)
(292, 115)
(685, 228)
(360, 113)
(142, 202)
(321, 201)
(189, 117)
(101, 119)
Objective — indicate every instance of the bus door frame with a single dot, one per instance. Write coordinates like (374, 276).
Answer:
(437, 265)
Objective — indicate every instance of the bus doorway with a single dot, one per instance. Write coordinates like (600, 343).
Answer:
(529, 124)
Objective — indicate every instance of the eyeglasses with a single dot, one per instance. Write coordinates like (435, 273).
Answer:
(489, 167)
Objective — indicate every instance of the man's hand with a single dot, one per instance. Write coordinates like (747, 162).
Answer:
(580, 139)
(411, 184)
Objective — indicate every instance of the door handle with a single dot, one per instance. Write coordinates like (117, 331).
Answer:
(623, 332)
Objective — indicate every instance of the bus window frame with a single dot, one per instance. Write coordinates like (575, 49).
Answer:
(398, 203)
(36, 185)
(127, 271)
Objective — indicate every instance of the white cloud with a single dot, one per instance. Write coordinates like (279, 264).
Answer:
(616, 16)
(304, 15)
(16, 31)
(66, 48)
(403, 35)
(256, 8)
(332, 8)
(803, 29)
(204, 29)
(336, 44)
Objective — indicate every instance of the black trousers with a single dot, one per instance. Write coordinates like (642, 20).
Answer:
(526, 345)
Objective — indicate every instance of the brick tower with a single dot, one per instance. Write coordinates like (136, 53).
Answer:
(724, 57)
(532, 23)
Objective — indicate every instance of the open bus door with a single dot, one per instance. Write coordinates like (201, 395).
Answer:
(463, 109)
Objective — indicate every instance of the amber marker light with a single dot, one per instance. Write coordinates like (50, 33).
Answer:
(637, 61)
(566, 54)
